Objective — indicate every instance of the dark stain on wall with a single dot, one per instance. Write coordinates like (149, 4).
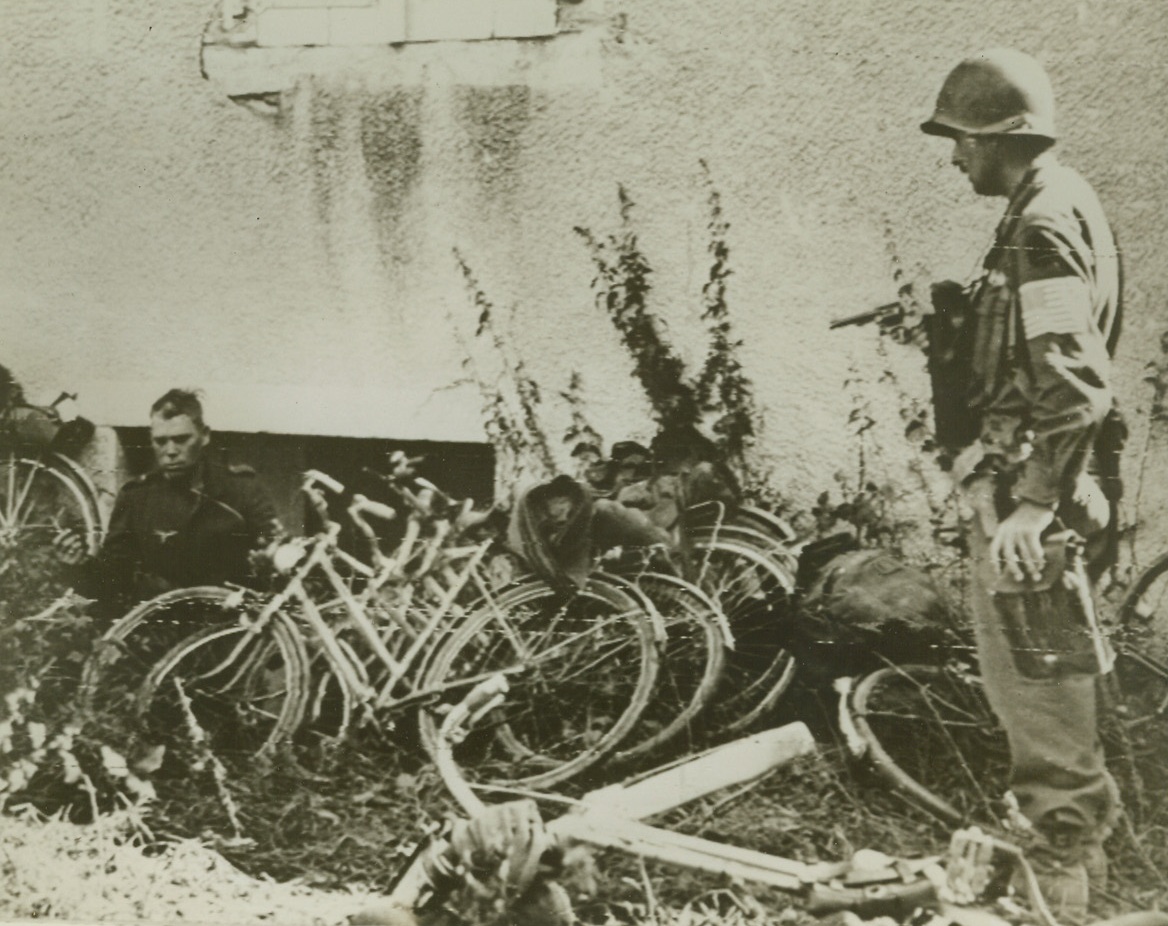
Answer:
(325, 147)
(391, 149)
(494, 119)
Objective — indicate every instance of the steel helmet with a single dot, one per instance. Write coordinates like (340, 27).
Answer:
(996, 92)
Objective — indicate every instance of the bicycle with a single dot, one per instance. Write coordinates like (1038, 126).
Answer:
(744, 559)
(44, 494)
(928, 730)
(698, 642)
(756, 593)
(403, 641)
(696, 639)
(935, 889)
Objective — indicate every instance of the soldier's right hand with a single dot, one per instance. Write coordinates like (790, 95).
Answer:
(70, 546)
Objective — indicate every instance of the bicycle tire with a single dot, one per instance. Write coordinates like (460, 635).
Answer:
(755, 592)
(929, 732)
(240, 692)
(570, 704)
(692, 661)
(127, 652)
(1143, 613)
(746, 516)
(40, 498)
(764, 543)
(1137, 729)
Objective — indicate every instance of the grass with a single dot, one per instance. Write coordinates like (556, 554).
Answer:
(374, 801)
(348, 820)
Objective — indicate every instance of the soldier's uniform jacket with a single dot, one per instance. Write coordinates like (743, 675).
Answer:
(1046, 313)
(173, 534)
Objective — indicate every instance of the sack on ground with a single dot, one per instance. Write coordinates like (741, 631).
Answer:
(868, 604)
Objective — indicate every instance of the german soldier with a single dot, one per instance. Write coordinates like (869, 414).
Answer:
(190, 521)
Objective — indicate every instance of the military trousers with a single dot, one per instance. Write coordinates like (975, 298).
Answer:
(1057, 776)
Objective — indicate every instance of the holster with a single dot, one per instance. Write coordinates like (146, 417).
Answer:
(1109, 444)
(1045, 622)
(951, 334)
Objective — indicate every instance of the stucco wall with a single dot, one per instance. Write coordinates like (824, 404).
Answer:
(299, 266)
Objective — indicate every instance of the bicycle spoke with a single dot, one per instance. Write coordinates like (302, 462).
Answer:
(243, 690)
(22, 496)
(932, 735)
(41, 499)
(577, 680)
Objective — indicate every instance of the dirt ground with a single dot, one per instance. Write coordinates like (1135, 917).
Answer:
(318, 846)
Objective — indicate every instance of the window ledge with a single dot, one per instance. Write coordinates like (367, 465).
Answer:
(244, 69)
(323, 23)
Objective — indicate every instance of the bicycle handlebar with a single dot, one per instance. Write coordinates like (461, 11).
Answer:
(314, 476)
(421, 500)
(362, 506)
(403, 465)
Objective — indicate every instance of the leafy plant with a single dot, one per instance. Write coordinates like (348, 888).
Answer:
(621, 288)
(580, 431)
(512, 400)
(1156, 376)
(716, 406)
(722, 387)
(866, 505)
(47, 755)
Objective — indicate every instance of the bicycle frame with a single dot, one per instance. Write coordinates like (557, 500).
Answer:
(611, 818)
(442, 574)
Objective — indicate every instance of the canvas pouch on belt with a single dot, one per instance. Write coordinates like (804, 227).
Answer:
(1044, 620)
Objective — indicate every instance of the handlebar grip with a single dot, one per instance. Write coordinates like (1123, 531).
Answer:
(316, 476)
(402, 463)
(318, 501)
(363, 505)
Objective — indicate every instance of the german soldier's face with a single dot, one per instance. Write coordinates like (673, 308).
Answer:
(178, 443)
(559, 510)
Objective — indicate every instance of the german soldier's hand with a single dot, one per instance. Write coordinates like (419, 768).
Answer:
(70, 546)
(1017, 544)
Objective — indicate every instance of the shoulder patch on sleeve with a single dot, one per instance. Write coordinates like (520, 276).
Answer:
(1060, 305)
(240, 469)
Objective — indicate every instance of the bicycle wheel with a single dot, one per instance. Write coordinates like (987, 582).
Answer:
(755, 592)
(1143, 613)
(580, 663)
(41, 498)
(714, 514)
(1141, 680)
(765, 544)
(692, 660)
(130, 649)
(930, 733)
(229, 689)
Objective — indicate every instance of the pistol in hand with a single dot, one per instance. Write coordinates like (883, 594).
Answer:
(889, 312)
